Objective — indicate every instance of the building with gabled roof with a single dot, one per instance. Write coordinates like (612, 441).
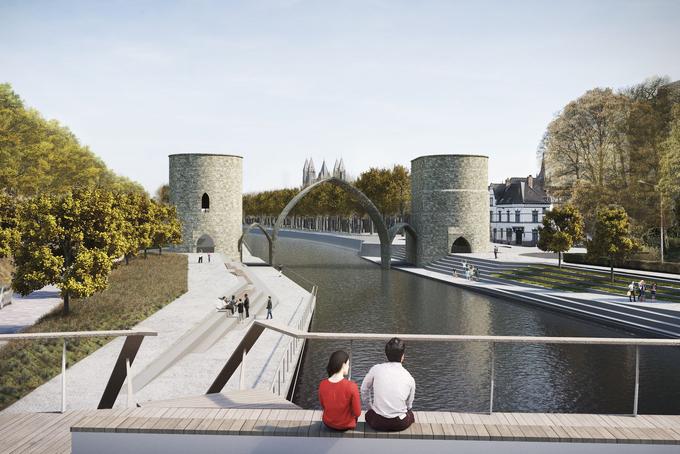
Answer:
(516, 209)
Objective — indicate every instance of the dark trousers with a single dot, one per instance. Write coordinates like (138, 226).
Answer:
(382, 424)
(247, 311)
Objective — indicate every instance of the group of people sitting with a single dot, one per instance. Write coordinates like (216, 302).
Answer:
(387, 390)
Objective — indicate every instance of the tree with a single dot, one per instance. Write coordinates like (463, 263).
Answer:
(562, 228)
(39, 156)
(611, 237)
(670, 163)
(165, 226)
(69, 241)
(163, 194)
(9, 234)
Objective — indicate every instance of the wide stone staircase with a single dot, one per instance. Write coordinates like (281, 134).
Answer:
(588, 304)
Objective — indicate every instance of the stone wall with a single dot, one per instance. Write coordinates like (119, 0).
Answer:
(449, 199)
(219, 176)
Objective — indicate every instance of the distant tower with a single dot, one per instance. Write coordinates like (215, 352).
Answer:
(323, 173)
(304, 173)
(310, 175)
(449, 205)
(339, 170)
(207, 190)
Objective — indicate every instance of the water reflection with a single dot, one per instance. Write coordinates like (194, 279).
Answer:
(356, 296)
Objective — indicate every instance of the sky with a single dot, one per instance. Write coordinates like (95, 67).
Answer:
(375, 82)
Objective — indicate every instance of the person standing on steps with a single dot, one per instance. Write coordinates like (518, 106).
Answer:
(246, 305)
(495, 252)
(269, 308)
(239, 307)
(653, 291)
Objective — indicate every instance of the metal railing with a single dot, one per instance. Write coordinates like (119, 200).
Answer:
(300, 335)
(121, 369)
(287, 366)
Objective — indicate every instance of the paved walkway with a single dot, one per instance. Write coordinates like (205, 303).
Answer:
(185, 356)
(26, 310)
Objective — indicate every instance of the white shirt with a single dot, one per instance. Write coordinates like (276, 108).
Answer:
(389, 390)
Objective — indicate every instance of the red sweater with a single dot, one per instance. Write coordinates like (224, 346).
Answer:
(341, 403)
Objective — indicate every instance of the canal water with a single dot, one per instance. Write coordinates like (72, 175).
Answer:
(358, 296)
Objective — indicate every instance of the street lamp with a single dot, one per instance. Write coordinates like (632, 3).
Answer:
(656, 188)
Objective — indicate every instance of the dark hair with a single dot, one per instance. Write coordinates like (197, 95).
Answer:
(336, 361)
(394, 350)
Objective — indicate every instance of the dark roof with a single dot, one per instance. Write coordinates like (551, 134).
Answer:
(510, 193)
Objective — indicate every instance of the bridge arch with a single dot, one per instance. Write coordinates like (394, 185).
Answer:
(360, 197)
(411, 239)
(247, 231)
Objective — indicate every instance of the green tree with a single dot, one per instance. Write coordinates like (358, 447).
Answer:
(670, 164)
(39, 156)
(163, 194)
(9, 235)
(562, 228)
(69, 241)
(611, 237)
(166, 229)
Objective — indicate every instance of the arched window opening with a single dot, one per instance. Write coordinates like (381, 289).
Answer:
(461, 245)
(205, 202)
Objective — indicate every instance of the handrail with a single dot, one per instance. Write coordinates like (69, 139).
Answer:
(75, 334)
(121, 369)
(297, 334)
(284, 329)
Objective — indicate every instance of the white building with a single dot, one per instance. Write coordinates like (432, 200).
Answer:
(517, 208)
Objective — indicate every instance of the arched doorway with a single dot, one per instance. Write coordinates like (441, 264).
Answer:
(461, 246)
(205, 244)
(246, 232)
(360, 197)
(411, 239)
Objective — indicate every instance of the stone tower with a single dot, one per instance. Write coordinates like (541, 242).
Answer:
(207, 191)
(449, 205)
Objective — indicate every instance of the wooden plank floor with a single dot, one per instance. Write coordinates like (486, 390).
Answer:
(50, 432)
(250, 398)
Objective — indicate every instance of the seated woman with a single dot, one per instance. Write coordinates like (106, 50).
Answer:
(338, 396)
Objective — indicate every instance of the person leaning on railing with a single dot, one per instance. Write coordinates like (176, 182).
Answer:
(388, 390)
(339, 397)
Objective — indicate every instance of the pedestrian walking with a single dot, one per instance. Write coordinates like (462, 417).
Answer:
(200, 259)
(208, 258)
(239, 308)
(280, 270)
(269, 308)
(495, 252)
(455, 273)
(653, 291)
(631, 292)
(246, 305)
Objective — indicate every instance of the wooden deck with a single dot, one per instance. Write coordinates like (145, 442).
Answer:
(250, 398)
(50, 432)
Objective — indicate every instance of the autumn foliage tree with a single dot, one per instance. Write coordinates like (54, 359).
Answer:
(612, 237)
(562, 228)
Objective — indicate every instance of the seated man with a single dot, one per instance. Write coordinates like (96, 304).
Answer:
(388, 390)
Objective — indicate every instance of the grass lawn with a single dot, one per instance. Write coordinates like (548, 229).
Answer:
(579, 280)
(135, 292)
